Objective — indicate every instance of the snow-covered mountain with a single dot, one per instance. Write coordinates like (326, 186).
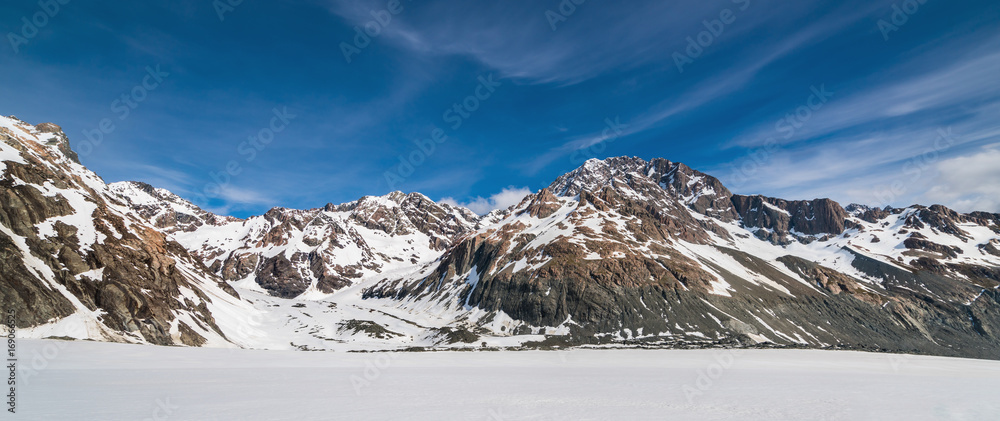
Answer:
(307, 253)
(629, 250)
(620, 250)
(78, 262)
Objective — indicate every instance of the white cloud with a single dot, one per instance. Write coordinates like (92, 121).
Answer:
(915, 165)
(231, 193)
(969, 183)
(234, 199)
(506, 198)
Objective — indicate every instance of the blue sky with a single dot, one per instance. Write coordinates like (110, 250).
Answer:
(910, 113)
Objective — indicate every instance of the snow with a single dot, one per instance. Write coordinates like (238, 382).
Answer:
(101, 381)
(82, 219)
(78, 325)
(471, 278)
(371, 252)
(379, 256)
(8, 153)
(775, 208)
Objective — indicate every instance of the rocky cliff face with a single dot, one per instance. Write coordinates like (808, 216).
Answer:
(77, 262)
(781, 222)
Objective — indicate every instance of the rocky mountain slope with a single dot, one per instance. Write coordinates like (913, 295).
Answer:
(629, 250)
(618, 251)
(78, 262)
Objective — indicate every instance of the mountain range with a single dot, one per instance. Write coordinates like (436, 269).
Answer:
(618, 252)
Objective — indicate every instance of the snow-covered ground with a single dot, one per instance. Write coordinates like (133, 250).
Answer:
(103, 381)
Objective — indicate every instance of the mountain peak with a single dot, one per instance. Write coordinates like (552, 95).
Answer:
(162, 208)
(47, 135)
(595, 174)
(660, 181)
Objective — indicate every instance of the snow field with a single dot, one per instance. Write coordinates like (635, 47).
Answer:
(103, 381)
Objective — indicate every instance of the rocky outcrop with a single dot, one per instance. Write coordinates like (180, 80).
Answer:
(867, 213)
(917, 241)
(780, 221)
(69, 251)
(830, 280)
(58, 139)
(542, 205)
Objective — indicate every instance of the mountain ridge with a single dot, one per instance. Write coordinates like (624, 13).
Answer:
(620, 250)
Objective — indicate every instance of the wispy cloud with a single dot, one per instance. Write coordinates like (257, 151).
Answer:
(898, 168)
(506, 198)
(714, 84)
(968, 82)
(517, 39)
(231, 198)
(876, 142)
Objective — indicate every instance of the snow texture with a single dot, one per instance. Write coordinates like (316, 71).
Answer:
(102, 381)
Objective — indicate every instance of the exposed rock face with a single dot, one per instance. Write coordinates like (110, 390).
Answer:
(867, 213)
(542, 204)
(919, 242)
(779, 219)
(73, 259)
(829, 279)
(58, 139)
(667, 185)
